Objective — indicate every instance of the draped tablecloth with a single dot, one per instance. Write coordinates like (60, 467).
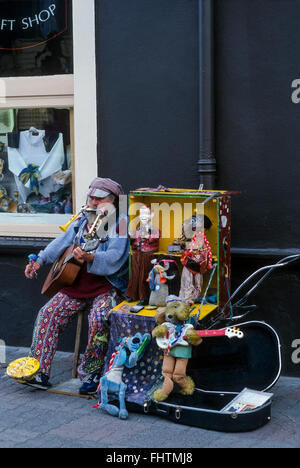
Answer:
(147, 373)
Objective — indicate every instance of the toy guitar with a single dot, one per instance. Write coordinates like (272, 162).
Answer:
(229, 332)
(177, 337)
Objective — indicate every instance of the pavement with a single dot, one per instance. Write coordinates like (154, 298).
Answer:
(31, 418)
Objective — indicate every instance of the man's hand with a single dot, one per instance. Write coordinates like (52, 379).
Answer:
(82, 256)
(31, 270)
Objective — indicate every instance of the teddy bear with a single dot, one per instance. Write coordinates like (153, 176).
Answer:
(176, 337)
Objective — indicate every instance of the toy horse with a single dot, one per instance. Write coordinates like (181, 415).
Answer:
(129, 352)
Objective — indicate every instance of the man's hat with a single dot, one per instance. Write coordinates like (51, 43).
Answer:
(101, 188)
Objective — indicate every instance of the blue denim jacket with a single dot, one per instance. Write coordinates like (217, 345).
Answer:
(110, 258)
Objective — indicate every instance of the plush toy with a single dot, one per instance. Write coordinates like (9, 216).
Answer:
(129, 352)
(176, 337)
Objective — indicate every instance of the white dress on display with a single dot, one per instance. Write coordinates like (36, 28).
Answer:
(32, 151)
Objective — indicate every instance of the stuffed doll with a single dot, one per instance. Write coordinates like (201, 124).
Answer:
(176, 337)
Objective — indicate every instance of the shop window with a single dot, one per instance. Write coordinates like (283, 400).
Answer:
(41, 90)
(35, 161)
(36, 38)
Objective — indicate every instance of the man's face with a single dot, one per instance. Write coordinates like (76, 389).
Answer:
(94, 202)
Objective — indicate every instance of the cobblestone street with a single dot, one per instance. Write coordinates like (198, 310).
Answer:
(33, 418)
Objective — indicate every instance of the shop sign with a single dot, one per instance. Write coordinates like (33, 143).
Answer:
(28, 23)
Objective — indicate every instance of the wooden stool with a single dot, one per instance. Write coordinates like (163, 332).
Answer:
(77, 343)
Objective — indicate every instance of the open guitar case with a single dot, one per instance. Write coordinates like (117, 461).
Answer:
(223, 367)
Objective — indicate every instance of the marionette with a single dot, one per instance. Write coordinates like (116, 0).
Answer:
(196, 257)
(176, 336)
(189, 227)
(144, 242)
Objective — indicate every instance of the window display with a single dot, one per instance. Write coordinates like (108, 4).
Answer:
(35, 161)
(36, 37)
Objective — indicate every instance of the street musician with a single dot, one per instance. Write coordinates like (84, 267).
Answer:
(98, 287)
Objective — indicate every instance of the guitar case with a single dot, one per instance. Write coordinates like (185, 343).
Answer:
(221, 369)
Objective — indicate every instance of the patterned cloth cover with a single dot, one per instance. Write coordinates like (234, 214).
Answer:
(141, 379)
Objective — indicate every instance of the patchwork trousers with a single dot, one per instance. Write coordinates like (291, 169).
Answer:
(55, 316)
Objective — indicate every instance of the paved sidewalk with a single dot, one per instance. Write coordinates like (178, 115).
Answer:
(32, 418)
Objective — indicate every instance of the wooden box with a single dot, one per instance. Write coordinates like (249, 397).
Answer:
(171, 208)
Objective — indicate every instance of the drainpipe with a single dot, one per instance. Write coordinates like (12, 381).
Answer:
(207, 165)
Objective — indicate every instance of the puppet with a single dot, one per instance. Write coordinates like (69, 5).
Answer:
(145, 241)
(196, 256)
(129, 352)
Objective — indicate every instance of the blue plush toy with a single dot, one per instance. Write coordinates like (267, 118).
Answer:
(129, 352)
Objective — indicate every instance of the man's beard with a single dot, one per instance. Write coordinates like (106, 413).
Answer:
(107, 209)
(91, 216)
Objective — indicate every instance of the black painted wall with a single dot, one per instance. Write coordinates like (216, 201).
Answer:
(258, 138)
(148, 83)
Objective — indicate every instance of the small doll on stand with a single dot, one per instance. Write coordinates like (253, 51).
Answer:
(145, 241)
(164, 280)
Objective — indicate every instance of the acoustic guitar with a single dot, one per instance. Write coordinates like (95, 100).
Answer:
(65, 269)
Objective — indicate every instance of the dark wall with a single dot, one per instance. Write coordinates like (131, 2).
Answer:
(147, 65)
(148, 84)
(258, 138)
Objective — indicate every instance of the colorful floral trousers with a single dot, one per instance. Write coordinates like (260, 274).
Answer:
(54, 317)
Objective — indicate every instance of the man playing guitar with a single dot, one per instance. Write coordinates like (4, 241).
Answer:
(98, 286)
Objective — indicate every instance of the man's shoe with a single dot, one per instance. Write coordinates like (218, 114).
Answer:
(40, 381)
(90, 385)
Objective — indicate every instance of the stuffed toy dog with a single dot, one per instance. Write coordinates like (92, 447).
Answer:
(176, 337)
(129, 352)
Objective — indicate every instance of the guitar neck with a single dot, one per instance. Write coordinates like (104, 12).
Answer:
(211, 333)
